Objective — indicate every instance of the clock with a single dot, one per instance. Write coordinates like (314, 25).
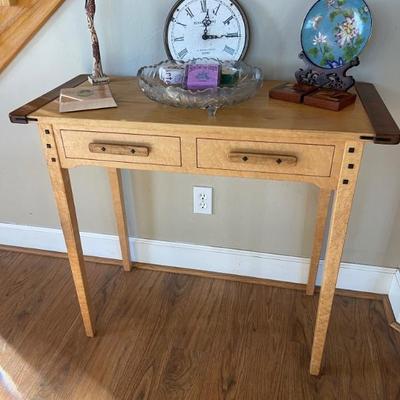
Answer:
(206, 28)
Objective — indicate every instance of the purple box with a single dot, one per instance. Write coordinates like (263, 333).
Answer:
(202, 76)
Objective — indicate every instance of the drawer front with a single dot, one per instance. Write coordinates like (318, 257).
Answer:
(280, 158)
(122, 147)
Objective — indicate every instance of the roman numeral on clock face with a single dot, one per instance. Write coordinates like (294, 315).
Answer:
(229, 50)
(215, 11)
(189, 12)
(204, 5)
(183, 53)
(228, 20)
(177, 22)
(235, 34)
(179, 39)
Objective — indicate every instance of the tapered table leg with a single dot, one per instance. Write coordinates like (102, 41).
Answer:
(119, 209)
(65, 203)
(337, 234)
(324, 197)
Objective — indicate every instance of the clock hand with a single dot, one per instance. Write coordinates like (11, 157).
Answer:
(206, 22)
(215, 36)
(206, 36)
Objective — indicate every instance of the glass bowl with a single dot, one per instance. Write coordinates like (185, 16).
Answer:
(249, 81)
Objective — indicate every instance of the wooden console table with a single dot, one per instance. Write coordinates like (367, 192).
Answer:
(261, 138)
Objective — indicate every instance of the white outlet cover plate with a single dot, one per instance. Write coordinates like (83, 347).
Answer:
(202, 200)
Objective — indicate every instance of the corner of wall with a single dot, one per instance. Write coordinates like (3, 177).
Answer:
(394, 295)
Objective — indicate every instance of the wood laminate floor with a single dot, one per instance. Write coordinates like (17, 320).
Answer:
(168, 336)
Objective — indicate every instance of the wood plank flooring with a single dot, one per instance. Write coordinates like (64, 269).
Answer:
(169, 336)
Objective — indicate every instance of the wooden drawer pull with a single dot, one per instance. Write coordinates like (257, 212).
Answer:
(119, 149)
(262, 158)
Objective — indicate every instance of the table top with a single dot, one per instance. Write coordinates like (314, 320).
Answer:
(260, 112)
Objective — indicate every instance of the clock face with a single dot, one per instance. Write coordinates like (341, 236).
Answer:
(206, 28)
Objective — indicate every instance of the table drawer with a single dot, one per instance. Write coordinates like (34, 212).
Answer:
(280, 158)
(122, 147)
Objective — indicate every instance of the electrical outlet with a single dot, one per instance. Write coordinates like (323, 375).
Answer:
(202, 200)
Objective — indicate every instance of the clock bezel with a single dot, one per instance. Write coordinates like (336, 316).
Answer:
(234, 2)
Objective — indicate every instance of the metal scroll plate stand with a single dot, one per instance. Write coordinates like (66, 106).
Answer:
(334, 78)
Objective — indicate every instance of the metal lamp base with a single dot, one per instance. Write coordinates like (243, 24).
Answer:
(102, 80)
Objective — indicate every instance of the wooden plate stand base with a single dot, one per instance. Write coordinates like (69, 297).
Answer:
(319, 87)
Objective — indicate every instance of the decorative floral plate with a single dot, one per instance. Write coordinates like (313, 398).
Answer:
(336, 31)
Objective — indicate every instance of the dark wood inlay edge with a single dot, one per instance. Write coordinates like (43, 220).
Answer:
(21, 115)
(386, 129)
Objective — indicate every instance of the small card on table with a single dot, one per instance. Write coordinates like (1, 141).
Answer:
(86, 98)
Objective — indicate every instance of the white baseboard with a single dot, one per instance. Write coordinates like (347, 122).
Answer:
(394, 295)
(367, 278)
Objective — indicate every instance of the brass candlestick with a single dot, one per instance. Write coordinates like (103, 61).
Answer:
(98, 77)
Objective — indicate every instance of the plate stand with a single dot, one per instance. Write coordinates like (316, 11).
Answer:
(334, 78)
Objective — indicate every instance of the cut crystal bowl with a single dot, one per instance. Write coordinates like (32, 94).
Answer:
(248, 82)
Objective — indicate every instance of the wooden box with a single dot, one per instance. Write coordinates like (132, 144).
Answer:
(330, 99)
(293, 92)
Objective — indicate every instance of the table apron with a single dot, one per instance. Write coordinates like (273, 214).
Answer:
(270, 157)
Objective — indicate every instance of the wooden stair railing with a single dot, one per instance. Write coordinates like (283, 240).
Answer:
(19, 21)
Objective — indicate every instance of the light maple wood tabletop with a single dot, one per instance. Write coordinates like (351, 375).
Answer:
(261, 138)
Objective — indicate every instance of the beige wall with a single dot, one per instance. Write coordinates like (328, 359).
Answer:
(255, 215)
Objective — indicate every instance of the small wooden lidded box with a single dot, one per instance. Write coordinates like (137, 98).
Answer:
(329, 99)
(293, 92)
